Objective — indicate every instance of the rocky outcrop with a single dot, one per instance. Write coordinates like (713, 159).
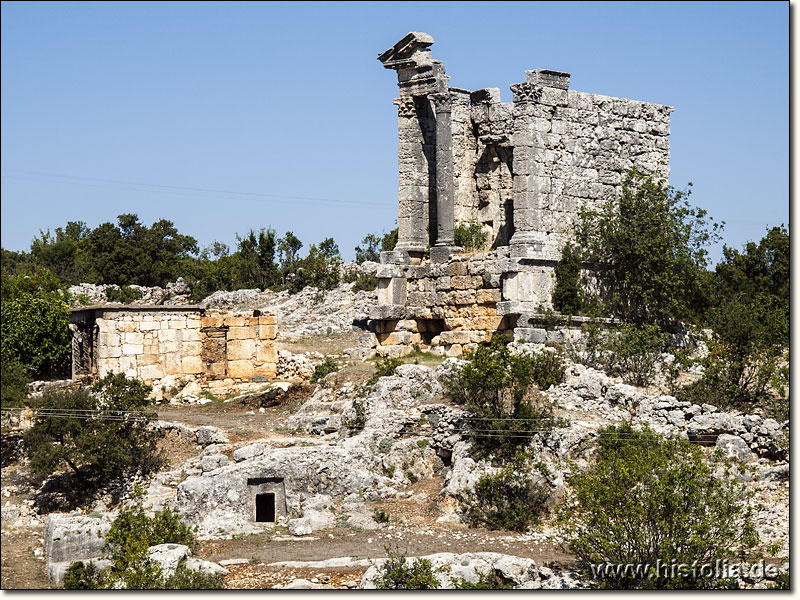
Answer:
(449, 569)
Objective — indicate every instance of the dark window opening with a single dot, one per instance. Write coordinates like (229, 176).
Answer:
(265, 508)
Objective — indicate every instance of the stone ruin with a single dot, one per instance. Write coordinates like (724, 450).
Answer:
(522, 170)
(173, 345)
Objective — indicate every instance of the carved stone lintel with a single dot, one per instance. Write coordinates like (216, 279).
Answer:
(405, 107)
(526, 93)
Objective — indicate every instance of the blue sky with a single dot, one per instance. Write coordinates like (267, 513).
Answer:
(228, 116)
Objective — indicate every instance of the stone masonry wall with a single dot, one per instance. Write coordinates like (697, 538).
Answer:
(218, 350)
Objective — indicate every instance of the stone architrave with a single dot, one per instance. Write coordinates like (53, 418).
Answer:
(445, 219)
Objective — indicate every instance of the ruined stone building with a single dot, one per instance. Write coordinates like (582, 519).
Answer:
(172, 345)
(520, 169)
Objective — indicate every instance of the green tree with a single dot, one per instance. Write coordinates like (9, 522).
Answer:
(289, 248)
(567, 293)
(255, 260)
(499, 388)
(63, 253)
(470, 236)
(35, 325)
(650, 498)
(373, 244)
(320, 269)
(648, 249)
(102, 436)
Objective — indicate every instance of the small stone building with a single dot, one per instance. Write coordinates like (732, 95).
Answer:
(221, 351)
(521, 170)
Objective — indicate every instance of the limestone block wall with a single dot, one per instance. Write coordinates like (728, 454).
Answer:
(580, 144)
(159, 345)
(452, 306)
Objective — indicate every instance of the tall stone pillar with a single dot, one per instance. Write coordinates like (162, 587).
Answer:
(412, 182)
(445, 224)
(527, 240)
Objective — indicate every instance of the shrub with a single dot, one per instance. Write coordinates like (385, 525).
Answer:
(648, 251)
(102, 436)
(398, 573)
(508, 499)
(327, 367)
(470, 236)
(356, 423)
(630, 351)
(35, 332)
(380, 516)
(14, 383)
(567, 293)
(132, 532)
(126, 294)
(487, 580)
(498, 388)
(650, 498)
(373, 245)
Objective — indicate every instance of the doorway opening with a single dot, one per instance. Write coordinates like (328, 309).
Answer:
(265, 508)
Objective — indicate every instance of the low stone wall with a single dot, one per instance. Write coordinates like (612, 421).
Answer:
(452, 305)
(169, 346)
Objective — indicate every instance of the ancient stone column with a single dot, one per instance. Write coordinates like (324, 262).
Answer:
(527, 228)
(413, 181)
(444, 170)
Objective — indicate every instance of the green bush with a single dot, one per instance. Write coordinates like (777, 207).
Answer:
(648, 251)
(109, 445)
(470, 236)
(399, 573)
(125, 294)
(649, 498)
(628, 350)
(508, 499)
(568, 293)
(487, 580)
(499, 390)
(132, 532)
(373, 245)
(83, 576)
(327, 367)
(35, 332)
(380, 516)
(14, 383)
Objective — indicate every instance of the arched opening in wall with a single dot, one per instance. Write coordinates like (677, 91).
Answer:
(265, 508)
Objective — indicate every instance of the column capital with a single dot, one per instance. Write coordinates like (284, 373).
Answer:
(441, 101)
(526, 93)
(405, 107)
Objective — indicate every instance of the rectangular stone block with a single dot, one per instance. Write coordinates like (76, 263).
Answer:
(191, 348)
(266, 370)
(462, 297)
(241, 350)
(487, 296)
(133, 337)
(148, 358)
(149, 325)
(267, 320)
(191, 365)
(172, 364)
(193, 323)
(188, 335)
(132, 349)
(455, 337)
(211, 321)
(457, 268)
(267, 354)
(267, 332)
(246, 332)
(167, 335)
(150, 372)
(461, 282)
(177, 323)
(241, 369)
(488, 323)
(127, 364)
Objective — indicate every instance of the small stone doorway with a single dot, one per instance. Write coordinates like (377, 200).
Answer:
(265, 508)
